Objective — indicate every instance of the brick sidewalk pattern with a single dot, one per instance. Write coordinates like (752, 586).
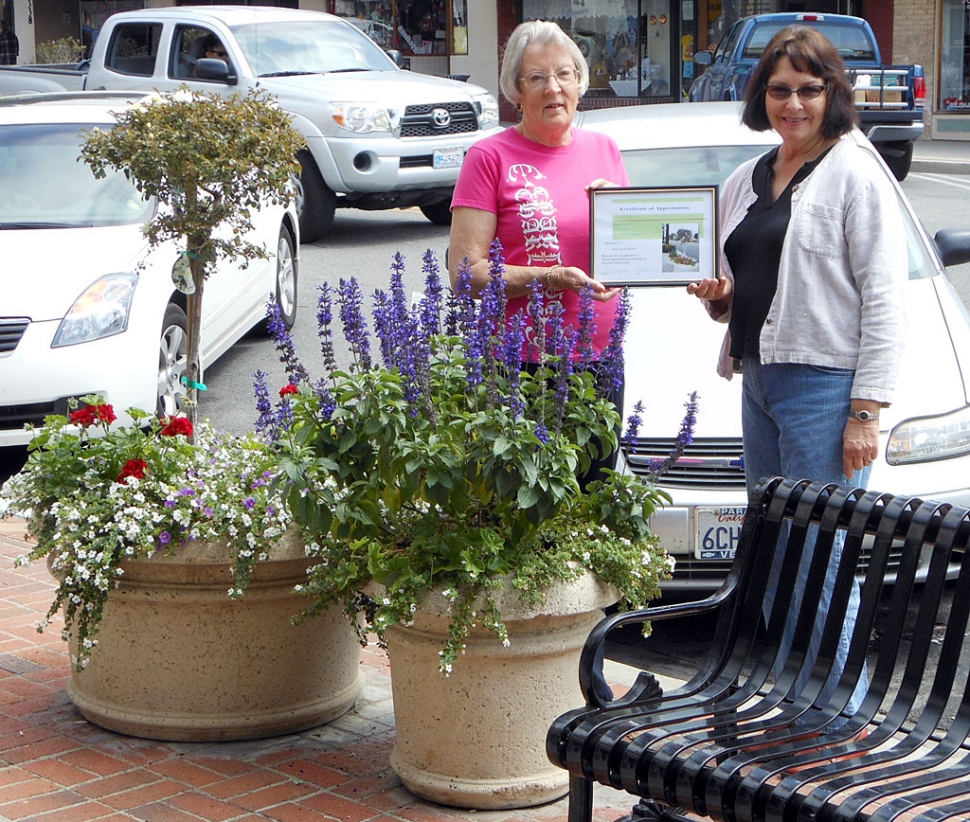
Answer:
(57, 767)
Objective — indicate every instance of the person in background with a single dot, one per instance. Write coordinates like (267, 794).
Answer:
(813, 266)
(9, 46)
(213, 49)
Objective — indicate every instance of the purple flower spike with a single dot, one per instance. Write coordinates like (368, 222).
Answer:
(266, 422)
(610, 368)
(587, 327)
(284, 343)
(354, 323)
(684, 438)
(325, 327)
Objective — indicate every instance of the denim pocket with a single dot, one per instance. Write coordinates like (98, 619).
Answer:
(820, 230)
(831, 370)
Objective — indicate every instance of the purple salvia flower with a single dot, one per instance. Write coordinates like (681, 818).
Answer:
(587, 327)
(512, 357)
(610, 367)
(542, 433)
(633, 423)
(384, 327)
(266, 422)
(564, 373)
(354, 323)
(327, 403)
(431, 302)
(684, 438)
(284, 343)
(325, 327)
(536, 329)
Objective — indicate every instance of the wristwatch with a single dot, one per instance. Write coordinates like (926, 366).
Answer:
(864, 416)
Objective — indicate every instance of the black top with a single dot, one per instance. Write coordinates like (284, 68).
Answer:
(754, 253)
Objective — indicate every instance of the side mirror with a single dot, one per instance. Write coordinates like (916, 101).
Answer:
(211, 68)
(953, 245)
(397, 57)
(703, 58)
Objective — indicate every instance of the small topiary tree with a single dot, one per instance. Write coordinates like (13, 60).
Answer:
(209, 161)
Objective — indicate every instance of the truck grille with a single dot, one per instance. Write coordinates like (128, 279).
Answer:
(421, 121)
(11, 330)
(708, 464)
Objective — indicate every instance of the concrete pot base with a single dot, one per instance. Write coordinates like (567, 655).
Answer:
(178, 660)
(476, 739)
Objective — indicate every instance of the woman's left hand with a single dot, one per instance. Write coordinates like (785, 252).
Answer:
(860, 445)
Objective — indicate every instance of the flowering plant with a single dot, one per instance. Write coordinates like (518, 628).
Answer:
(450, 466)
(93, 501)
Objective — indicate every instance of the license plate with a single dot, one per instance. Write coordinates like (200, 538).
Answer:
(718, 531)
(448, 157)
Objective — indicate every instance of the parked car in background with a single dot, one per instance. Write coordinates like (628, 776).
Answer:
(672, 349)
(87, 307)
(889, 99)
(378, 137)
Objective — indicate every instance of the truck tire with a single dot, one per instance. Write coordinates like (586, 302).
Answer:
(898, 156)
(438, 213)
(315, 202)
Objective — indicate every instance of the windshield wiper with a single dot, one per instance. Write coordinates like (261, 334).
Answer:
(346, 70)
(288, 73)
(5, 226)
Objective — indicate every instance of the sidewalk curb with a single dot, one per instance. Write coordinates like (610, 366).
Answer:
(940, 166)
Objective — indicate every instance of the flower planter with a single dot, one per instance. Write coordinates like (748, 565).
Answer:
(476, 738)
(177, 659)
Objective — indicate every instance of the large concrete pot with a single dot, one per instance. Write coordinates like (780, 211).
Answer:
(177, 659)
(476, 738)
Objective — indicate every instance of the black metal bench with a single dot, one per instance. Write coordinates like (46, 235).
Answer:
(736, 743)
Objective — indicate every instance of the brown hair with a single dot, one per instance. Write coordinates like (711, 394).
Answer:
(809, 51)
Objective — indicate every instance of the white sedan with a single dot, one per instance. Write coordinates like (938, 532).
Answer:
(87, 307)
(672, 348)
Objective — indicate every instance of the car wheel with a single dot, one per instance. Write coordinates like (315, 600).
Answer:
(286, 277)
(438, 213)
(172, 357)
(315, 203)
(898, 156)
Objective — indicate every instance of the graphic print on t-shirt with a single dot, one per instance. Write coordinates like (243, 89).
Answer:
(537, 213)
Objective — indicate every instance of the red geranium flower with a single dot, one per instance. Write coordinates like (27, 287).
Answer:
(176, 426)
(289, 389)
(132, 468)
(91, 414)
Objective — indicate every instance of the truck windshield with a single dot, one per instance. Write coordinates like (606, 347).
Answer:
(45, 185)
(309, 47)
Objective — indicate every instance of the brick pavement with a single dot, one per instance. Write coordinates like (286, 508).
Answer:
(57, 767)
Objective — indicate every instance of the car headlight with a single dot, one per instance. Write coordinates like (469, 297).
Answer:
(101, 311)
(486, 107)
(360, 118)
(925, 439)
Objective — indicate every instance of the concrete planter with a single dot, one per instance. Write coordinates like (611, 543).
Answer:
(177, 659)
(476, 738)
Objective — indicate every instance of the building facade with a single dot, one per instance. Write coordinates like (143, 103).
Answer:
(638, 51)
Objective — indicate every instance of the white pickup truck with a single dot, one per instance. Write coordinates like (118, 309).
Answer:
(378, 136)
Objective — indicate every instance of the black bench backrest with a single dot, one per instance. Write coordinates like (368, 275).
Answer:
(701, 746)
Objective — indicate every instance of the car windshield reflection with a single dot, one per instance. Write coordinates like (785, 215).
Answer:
(45, 184)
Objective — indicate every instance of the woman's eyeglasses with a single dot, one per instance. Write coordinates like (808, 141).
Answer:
(804, 93)
(538, 79)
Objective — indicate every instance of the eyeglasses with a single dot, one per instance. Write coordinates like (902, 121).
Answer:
(537, 79)
(217, 53)
(804, 93)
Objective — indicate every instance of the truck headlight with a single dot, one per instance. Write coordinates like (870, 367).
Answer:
(925, 439)
(486, 107)
(101, 311)
(360, 118)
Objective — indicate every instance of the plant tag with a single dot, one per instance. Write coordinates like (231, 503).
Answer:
(182, 274)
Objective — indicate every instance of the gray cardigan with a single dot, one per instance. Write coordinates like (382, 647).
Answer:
(840, 300)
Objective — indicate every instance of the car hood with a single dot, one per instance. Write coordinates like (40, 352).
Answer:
(388, 88)
(672, 348)
(58, 264)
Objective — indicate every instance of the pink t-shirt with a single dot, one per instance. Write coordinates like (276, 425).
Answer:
(542, 209)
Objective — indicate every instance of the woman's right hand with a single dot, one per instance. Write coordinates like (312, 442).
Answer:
(712, 289)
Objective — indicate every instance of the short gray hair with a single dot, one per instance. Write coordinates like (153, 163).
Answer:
(536, 33)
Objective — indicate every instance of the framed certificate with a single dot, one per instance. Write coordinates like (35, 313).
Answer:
(653, 236)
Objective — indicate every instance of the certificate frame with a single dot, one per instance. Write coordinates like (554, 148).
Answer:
(642, 236)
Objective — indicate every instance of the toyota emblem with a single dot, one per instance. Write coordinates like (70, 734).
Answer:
(441, 116)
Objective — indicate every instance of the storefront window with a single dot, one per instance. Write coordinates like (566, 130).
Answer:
(955, 57)
(415, 27)
(634, 48)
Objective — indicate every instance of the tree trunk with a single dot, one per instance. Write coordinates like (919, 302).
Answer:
(193, 366)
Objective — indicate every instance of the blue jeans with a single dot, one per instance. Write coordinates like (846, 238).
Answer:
(793, 417)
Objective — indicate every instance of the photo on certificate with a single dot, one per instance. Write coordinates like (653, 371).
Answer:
(653, 236)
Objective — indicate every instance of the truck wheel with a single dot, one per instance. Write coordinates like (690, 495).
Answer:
(315, 203)
(438, 213)
(898, 156)
(172, 352)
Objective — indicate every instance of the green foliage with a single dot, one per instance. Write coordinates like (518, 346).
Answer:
(65, 50)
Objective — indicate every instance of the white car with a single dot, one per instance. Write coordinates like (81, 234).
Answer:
(672, 349)
(87, 307)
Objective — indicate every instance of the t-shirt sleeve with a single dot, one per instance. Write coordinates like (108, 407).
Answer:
(477, 184)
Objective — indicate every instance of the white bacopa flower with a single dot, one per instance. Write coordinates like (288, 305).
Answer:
(183, 95)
